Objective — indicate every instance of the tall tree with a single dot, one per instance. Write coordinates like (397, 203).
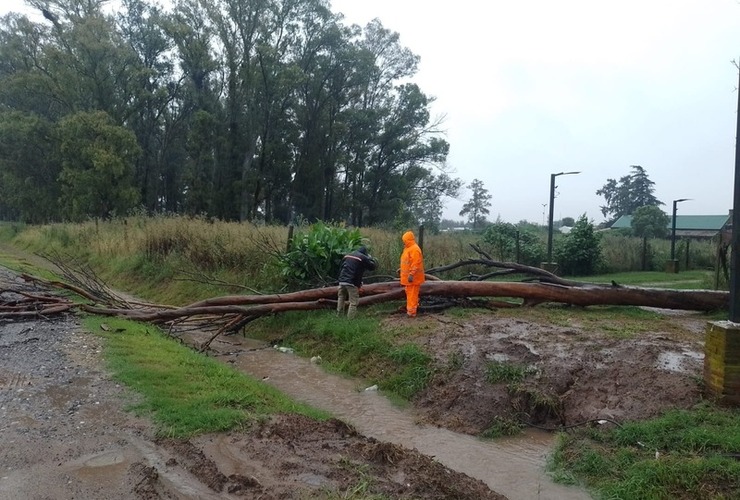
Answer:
(264, 109)
(97, 166)
(477, 206)
(630, 193)
(427, 202)
(154, 89)
(29, 167)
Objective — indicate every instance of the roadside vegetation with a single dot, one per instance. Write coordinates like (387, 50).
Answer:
(681, 455)
(183, 392)
(177, 260)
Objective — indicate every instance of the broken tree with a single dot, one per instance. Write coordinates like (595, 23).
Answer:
(229, 314)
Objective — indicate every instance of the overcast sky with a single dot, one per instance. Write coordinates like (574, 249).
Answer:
(534, 87)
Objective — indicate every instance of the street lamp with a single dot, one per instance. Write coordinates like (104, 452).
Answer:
(673, 228)
(552, 207)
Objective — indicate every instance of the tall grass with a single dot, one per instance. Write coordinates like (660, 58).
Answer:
(169, 257)
(624, 253)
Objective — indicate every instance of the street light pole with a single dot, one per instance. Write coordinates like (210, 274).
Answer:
(673, 228)
(552, 211)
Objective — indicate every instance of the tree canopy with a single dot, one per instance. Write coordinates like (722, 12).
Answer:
(257, 110)
(650, 222)
(631, 192)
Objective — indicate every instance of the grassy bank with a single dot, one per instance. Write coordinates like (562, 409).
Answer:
(183, 392)
(681, 455)
(359, 348)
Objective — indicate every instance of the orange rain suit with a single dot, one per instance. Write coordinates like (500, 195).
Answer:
(412, 271)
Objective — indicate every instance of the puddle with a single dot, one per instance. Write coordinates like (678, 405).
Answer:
(513, 467)
(105, 459)
(681, 362)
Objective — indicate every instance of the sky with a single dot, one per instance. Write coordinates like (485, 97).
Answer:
(529, 88)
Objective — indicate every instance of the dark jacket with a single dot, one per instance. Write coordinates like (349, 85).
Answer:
(354, 266)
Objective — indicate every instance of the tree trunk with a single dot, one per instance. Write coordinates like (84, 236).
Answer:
(579, 294)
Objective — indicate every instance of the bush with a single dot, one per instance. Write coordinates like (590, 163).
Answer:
(579, 254)
(503, 237)
(314, 256)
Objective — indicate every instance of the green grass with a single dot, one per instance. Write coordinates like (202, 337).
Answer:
(185, 393)
(357, 347)
(684, 280)
(506, 373)
(683, 454)
(502, 427)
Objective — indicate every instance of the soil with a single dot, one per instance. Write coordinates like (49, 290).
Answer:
(65, 431)
(573, 374)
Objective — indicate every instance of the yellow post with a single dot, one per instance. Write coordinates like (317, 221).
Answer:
(722, 362)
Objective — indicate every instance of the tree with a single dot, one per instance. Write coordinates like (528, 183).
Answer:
(260, 110)
(28, 169)
(515, 243)
(477, 207)
(580, 252)
(649, 222)
(426, 203)
(97, 166)
(630, 193)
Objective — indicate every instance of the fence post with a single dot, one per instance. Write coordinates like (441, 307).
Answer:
(687, 254)
(290, 237)
(421, 237)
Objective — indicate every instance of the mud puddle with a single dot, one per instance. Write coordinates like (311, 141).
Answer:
(513, 467)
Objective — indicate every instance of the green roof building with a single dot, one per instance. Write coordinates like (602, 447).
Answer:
(688, 226)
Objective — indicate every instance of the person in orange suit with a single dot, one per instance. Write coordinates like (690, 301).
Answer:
(412, 272)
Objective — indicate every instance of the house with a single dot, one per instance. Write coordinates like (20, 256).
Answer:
(689, 226)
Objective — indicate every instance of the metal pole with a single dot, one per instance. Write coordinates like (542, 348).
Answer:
(735, 255)
(552, 211)
(549, 221)
(673, 232)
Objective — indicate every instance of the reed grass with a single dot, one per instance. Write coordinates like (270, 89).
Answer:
(171, 257)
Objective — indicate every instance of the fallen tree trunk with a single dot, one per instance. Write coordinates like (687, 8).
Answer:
(532, 293)
(585, 295)
(229, 314)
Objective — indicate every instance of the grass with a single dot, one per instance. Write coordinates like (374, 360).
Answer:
(502, 427)
(684, 454)
(497, 372)
(685, 280)
(357, 347)
(183, 392)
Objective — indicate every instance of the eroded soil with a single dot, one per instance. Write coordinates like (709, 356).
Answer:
(574, 373)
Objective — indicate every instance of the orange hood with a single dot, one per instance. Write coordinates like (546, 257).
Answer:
(408, 238)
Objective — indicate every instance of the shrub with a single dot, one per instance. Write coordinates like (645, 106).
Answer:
(314, 256)
(504, 238)
(580, 251)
